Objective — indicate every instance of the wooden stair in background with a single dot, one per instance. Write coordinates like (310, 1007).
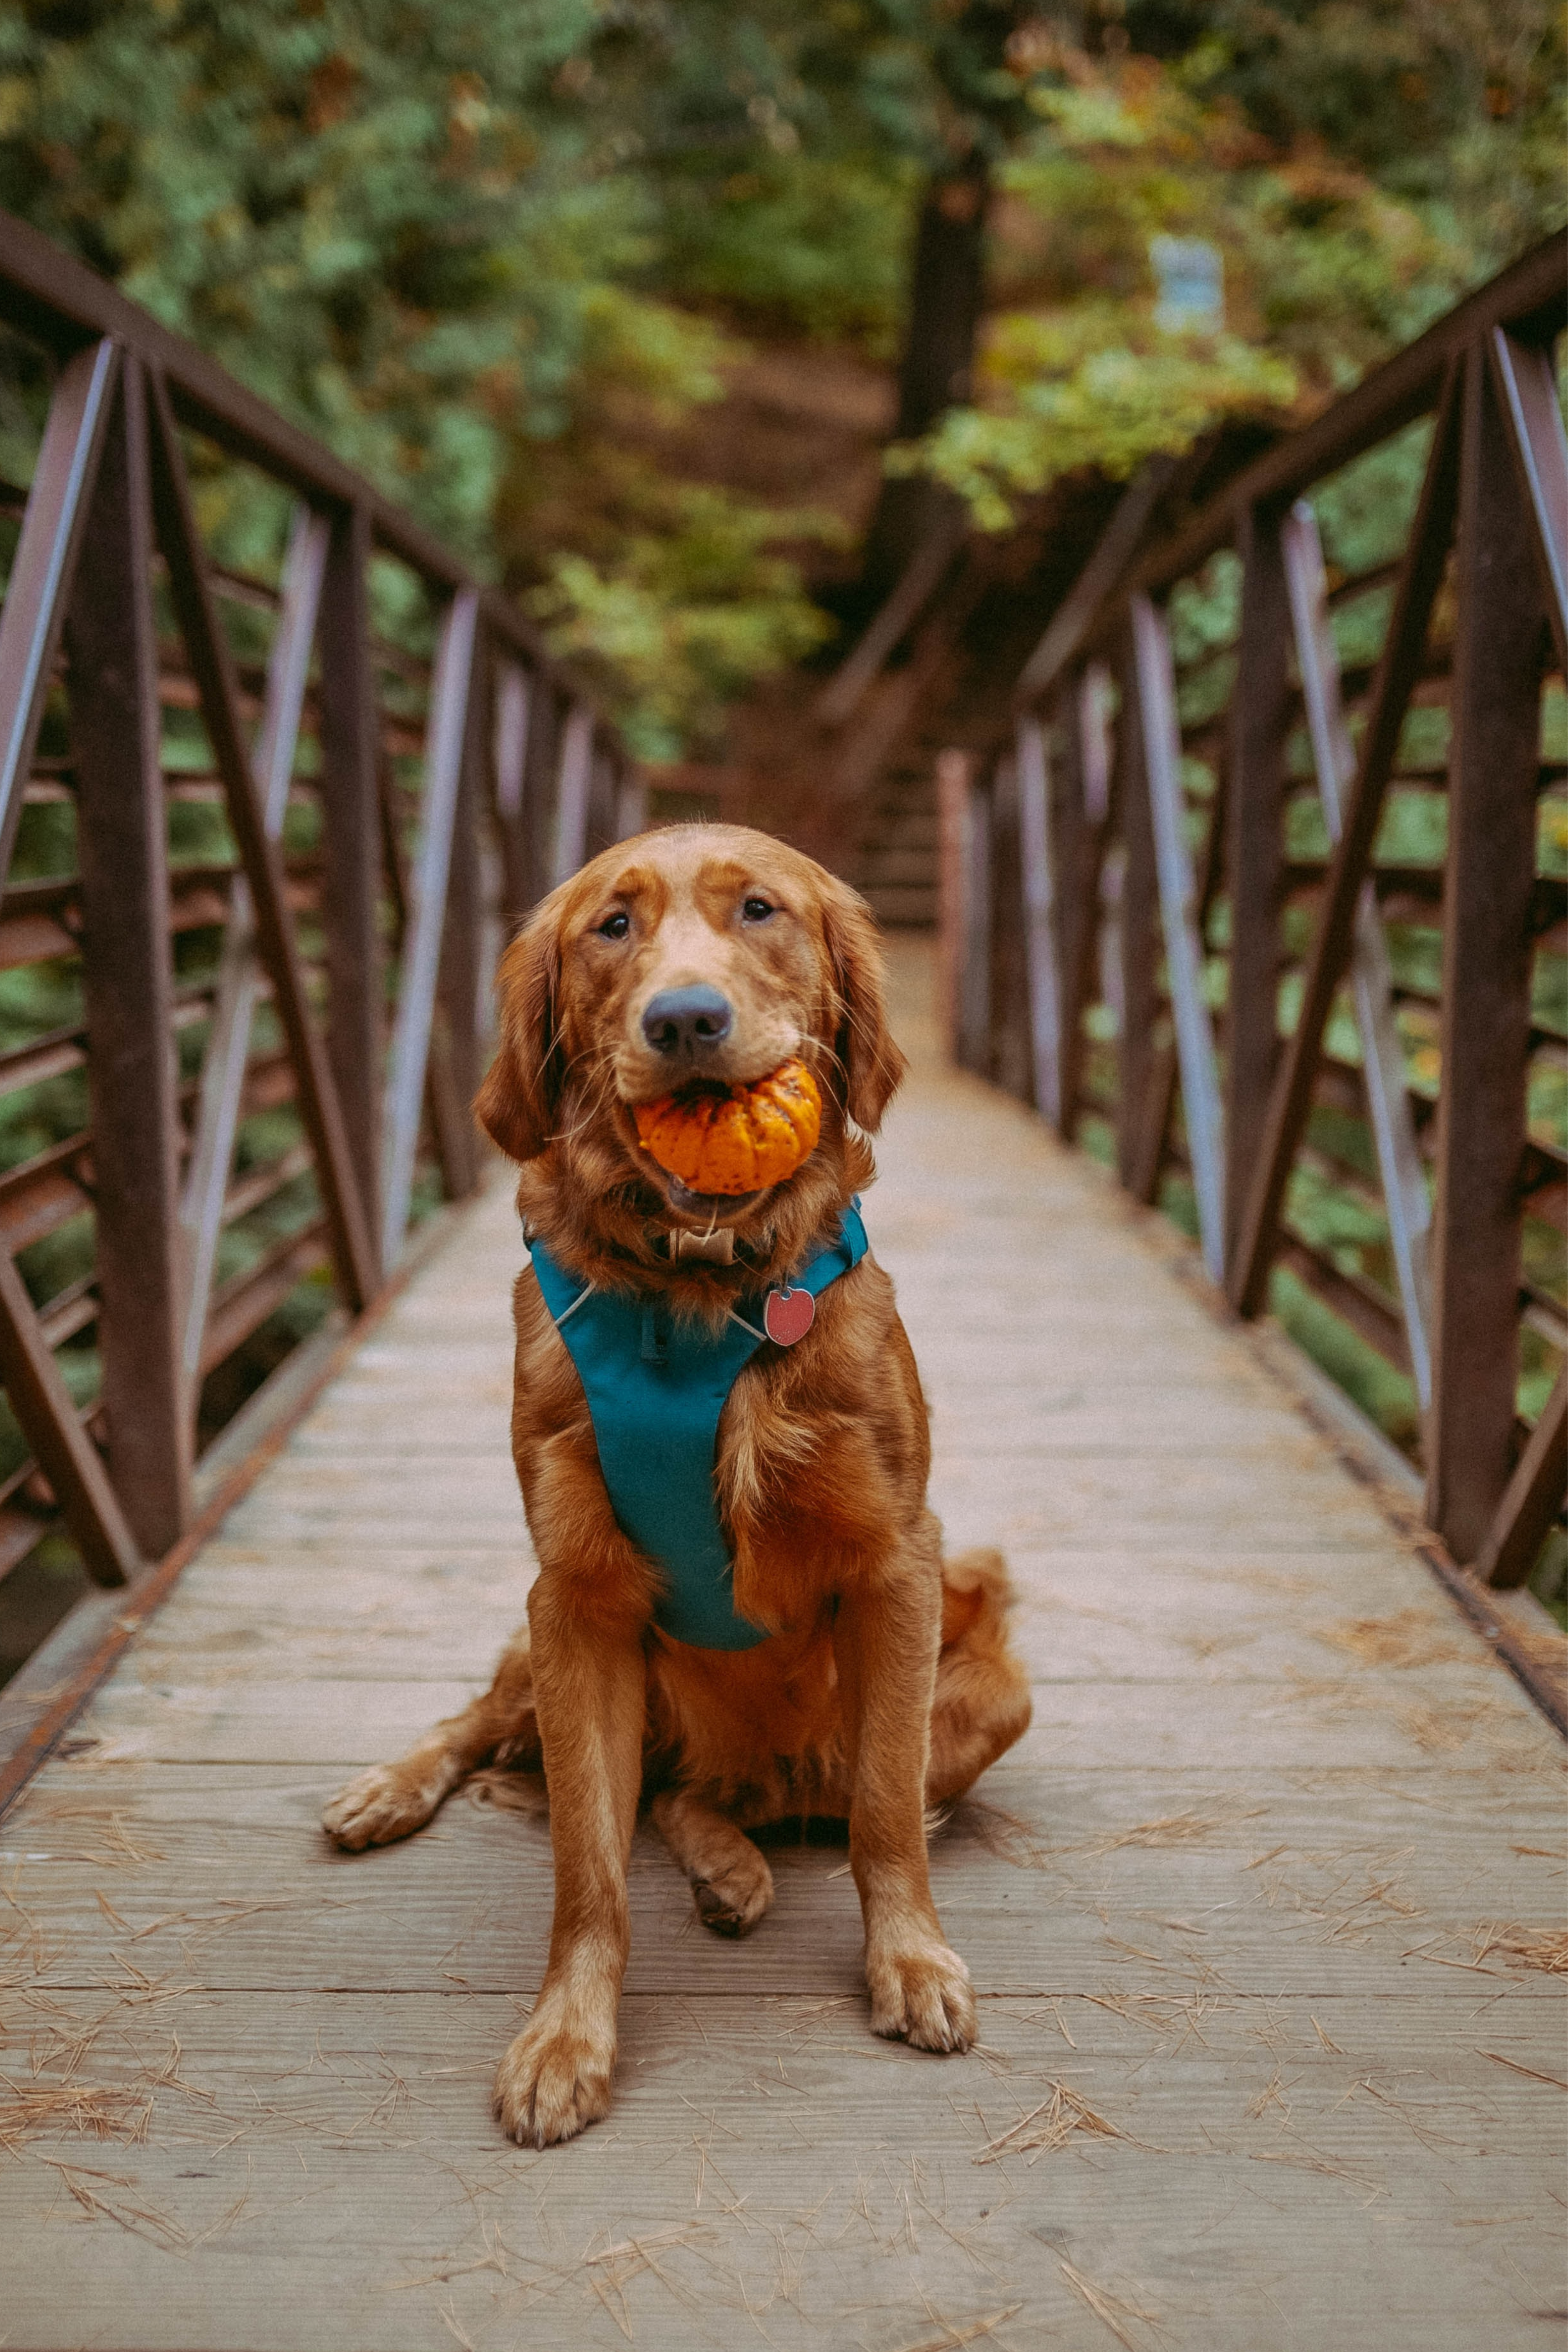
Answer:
(844, 764)
(896, 867)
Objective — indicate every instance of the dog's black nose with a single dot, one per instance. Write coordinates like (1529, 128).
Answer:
(686, 1023)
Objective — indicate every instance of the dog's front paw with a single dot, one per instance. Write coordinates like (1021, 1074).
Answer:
(388, 1801)
(732, 1898)
(553, 2082)
(922, 1995)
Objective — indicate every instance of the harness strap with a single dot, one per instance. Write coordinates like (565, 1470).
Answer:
(586, 1292)
(655, 1388)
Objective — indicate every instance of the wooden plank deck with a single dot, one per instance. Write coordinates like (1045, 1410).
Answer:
(1257, 1910)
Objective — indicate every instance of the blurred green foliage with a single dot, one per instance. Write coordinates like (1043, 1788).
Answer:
(1354, 170)
(491, 255)
(486, 253)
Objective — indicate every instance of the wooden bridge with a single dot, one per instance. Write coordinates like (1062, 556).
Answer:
(1262, 1912)
(1267, 1912)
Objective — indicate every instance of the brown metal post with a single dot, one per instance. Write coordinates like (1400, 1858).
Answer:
(952, 772)
(1089, 796)
(974, 972)
(1486, 984)
(1007, 1048)
(546, 717)
(457, 1003)
(1065, 831)
(515, 699)
(1260, 719)
(122, 833)
(1135, 1061)
(602, 828)
(350, 849)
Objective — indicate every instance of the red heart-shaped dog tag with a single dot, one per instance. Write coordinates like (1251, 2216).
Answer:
(787, 1316)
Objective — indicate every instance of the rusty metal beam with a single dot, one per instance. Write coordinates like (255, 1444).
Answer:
(924, 575)
(1532, 1500)
(1112, 557)
(1137, 901)
(239, 972)
(66, 1455)
(463, 942)
(50, 296)
(1042, 959)
(1255, 848)
(1486, 981)
(351, 848)
(128, 985)
(1084, 818)
(1526, 389)
(1162, 745)
(1526, 300)
(1397, 669)
(445, 743)
(44, 566)
(1528, 297)
(574, 788)
(1399, 1162)
(547, 710)
(212, 663)
(515, 702)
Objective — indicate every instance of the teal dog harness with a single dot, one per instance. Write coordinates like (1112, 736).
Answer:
(655, 1388)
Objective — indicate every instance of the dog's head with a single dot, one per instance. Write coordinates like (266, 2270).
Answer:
(700, 953)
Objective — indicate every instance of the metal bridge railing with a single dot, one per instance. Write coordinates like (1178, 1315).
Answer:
(257, 844)
(1267, 875)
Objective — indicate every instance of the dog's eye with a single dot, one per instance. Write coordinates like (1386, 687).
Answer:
(756, 910)
(615, 927)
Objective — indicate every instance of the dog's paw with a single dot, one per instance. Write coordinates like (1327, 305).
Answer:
(386, 1803)
(923, 1996)
(731, 1899)
(553, 2083)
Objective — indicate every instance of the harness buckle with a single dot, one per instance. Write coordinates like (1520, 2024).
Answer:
(718, 1248)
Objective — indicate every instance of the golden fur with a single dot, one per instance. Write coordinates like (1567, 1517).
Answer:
(887, 1683)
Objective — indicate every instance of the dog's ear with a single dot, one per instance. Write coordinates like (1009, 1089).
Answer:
(870, 1063)
(516, 1103)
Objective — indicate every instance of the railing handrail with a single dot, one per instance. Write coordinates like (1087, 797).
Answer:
(1084, 861)
(50, 296)
(429, 821)
(1526, 298)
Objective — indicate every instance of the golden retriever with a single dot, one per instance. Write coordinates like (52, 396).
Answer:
(880, 1681)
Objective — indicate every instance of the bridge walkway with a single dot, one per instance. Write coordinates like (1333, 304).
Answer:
(1265, 1911)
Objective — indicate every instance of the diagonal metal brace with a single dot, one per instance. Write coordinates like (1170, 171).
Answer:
(1040, 915)
(212, 663)
(447, 732)
(1179, 914)
(1400, 1169)
(240, 974)
(44, 565)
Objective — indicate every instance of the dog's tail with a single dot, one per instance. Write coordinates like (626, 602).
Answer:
(975, 1586)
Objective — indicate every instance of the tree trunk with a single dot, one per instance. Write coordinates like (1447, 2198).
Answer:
(946, 294)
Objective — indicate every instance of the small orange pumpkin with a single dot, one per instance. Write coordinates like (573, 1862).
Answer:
(735, 1142)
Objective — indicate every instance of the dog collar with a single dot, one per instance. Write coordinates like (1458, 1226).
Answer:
(717, 1247)
(655, 1388)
